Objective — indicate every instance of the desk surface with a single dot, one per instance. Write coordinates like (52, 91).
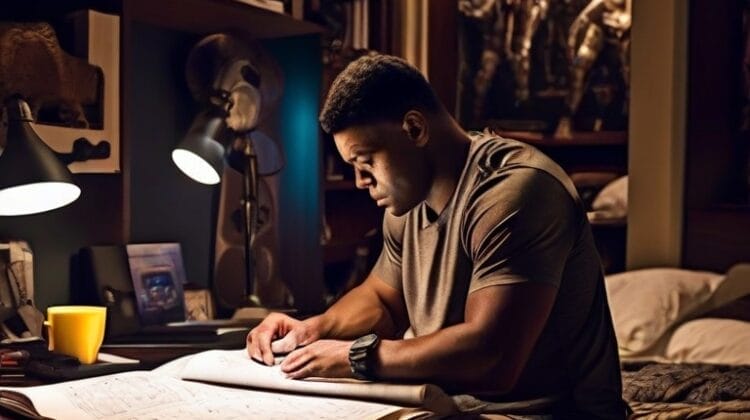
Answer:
(150, 356)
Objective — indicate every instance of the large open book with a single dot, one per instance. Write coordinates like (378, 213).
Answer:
(185, 389)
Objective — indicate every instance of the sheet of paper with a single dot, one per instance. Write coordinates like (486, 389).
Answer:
(235, 367)
(149, 395)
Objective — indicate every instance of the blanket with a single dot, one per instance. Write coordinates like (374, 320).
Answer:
(686, 391)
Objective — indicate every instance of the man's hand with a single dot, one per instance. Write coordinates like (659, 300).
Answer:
(323, 358)
(287, 332)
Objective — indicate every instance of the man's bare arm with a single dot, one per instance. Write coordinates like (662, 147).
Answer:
(502, 324)
(373, 306)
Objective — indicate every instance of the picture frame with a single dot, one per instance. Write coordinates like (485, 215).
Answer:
(199, 305)
(158, 276)
(103, 40)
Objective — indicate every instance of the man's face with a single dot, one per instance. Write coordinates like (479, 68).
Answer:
(387, 163)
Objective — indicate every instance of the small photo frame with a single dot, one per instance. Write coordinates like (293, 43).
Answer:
(158, 277)
(199, 305)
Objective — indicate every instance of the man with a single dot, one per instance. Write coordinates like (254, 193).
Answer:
(488, 283)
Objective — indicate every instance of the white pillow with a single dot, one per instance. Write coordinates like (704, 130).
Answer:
(710, 340)
(611, 202)
(646, 303)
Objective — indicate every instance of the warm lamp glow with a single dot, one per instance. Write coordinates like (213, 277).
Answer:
(32, 177)
(195, 167)
(37, 197)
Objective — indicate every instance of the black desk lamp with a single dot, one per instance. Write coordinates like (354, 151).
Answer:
(222, 76)
(32, 177)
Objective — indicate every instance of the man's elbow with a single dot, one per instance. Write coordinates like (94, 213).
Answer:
(496, 373)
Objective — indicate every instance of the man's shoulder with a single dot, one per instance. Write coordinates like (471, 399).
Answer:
(495, 159)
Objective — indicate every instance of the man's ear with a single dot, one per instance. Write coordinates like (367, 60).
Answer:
(415, 126)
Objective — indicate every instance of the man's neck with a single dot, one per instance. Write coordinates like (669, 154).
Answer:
(449, 156)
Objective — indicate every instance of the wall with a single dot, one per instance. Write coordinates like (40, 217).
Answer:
(165, 205)
(57, 235)
(657, 133)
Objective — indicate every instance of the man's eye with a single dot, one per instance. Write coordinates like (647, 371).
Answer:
(365, 160)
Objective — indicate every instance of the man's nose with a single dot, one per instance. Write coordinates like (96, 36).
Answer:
(362, 179)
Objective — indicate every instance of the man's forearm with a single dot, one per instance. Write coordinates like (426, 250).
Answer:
(358, 312)
(456, 357)
(485, 353)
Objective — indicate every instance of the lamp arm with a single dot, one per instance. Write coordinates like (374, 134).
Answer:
(250, 216)
(84, 150)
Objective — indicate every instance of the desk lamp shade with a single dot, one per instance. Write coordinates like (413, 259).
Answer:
(32, 177)
(200, 155)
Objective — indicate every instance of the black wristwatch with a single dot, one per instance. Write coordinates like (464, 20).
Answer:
(362, 356)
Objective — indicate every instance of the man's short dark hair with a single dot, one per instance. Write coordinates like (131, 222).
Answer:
(375, 88)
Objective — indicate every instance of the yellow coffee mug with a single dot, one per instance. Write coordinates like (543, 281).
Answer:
(76, 331)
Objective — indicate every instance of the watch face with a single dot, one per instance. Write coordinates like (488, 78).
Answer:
(364, 342)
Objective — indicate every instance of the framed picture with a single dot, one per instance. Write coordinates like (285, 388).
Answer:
(199, 305)
(158, 277)
(103, 40)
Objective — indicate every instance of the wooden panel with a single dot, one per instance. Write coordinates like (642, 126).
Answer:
(717, 239)
(717, 218)
(443, 50)
(208, 16)
(713, 95)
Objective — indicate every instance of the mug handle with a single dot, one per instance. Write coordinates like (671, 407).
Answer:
(51, 344)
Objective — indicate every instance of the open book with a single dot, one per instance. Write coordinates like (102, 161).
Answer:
(170, 392)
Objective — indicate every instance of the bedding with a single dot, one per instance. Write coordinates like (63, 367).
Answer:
(667, 390)
(647, 303)
(710, 340)
(685, 348)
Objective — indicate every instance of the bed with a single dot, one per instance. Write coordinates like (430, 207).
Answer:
(684, 341)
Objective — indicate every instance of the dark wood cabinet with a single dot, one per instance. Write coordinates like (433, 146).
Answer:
(716, 231)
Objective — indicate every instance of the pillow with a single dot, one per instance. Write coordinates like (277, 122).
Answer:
(710, 340)
(646, 303)
(611, 202)
(735, 286)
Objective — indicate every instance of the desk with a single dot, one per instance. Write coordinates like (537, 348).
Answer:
(150, 356)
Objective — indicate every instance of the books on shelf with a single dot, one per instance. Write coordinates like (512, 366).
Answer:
(189, 388)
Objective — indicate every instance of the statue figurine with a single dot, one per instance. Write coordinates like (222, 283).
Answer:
(489, 16)
(527, 15)
(601, 23)
(508, 27)
(33, 64)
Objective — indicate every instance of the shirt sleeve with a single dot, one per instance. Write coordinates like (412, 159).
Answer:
(520, 226)
(388, 265)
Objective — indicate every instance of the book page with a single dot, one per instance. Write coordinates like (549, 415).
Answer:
(235, 367)
(141, 394)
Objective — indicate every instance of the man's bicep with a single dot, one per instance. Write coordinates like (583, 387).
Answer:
(521, 228)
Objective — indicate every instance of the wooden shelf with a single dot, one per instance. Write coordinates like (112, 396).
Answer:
(579, 138)
(217, 16)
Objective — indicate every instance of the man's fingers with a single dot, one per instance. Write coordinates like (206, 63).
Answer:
(298, 365)
(296, 360)
(286, 344)
(266, 354)
(260, 346)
